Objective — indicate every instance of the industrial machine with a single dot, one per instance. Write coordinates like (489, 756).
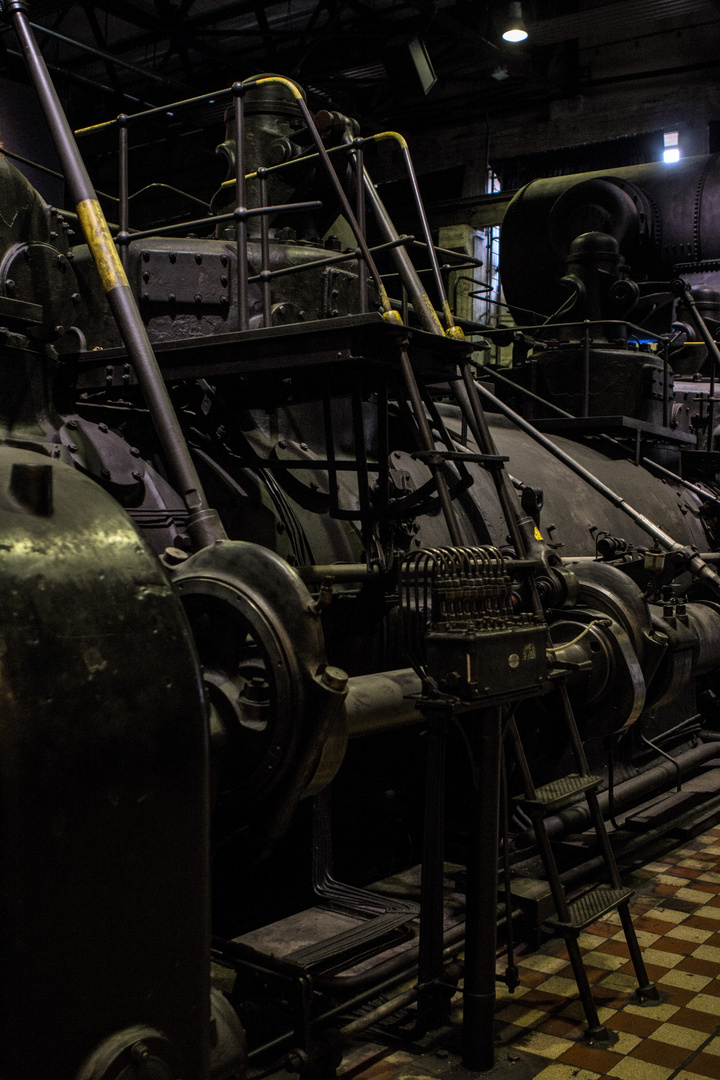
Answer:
(280, 553)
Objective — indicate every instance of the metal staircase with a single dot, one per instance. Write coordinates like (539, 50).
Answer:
(572, 916)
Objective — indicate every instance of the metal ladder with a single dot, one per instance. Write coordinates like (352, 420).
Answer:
(573, 916)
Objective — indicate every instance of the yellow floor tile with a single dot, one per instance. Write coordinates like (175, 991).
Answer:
(590, 941)
(541, 962)
(558, 984)
(660, 958)
(685, 1075)
(549, 1046)
(619, 980)
(708, 912)
(645, 938)
(707, 952)
(654, 1012)
(516, 1014)
(696, 896)
(625, 1043)
(670, 914)
(706, 1003)
(669, 879)
(605, 960)
(690, 933)
(574, 1011)
(680, 1036)
(712, 1048)
(685, 981)
(558, 1071)
(635, 1069)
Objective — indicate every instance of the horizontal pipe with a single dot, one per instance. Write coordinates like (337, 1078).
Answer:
(379, 702)
(401, 1001)
(316, 574)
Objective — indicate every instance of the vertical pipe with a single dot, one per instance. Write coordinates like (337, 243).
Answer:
(586, 370)
(361, 218)
(123, 189)
(361, 466)
(430, 956)
(383, 452)
(330, 450)
(240, 208)
(264, 249)
(481, 896)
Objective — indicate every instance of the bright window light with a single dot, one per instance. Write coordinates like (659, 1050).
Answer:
(671, 143)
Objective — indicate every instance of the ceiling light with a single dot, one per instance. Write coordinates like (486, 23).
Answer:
(514, 26)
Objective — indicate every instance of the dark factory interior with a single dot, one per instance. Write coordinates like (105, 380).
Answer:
(359, 540)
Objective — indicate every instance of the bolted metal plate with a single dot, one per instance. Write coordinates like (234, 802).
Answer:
(199, 278)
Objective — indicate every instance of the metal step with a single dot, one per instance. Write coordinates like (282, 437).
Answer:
(560, 791)
(594, 904)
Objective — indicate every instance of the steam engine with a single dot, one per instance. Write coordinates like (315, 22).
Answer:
(242, 601)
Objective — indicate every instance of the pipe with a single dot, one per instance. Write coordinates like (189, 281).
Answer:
(316, 574)
(388, 699)
(380, 1013)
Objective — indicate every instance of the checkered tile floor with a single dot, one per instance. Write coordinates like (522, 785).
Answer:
(676, 912)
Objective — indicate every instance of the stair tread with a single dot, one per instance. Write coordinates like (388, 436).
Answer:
(590, 907)
(565, 787)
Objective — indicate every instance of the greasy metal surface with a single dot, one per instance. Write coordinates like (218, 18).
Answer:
(572, 512)
(102, 781)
